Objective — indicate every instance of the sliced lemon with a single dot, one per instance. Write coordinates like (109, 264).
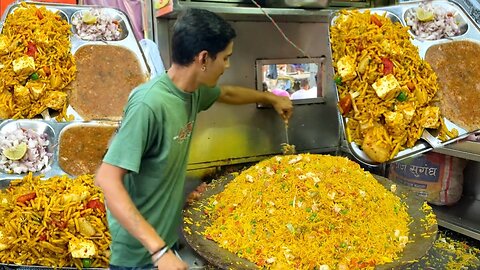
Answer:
(89, 18)
(15, 152)
(424, 15)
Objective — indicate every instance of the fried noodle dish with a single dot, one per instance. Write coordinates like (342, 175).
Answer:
(386, 91)
(57, 222)
(36, 65)
(308, 211)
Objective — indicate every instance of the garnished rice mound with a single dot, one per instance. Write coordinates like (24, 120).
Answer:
(309, 211)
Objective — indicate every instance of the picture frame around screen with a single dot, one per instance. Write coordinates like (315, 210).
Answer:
(300, 79)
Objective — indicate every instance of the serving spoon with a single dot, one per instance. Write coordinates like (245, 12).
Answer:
(287, 148)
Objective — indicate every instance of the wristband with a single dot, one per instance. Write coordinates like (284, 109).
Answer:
(158, 250)
(159, 254)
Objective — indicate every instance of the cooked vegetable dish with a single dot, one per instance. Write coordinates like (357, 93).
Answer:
(56, 222)
(386, 91)
(36, 65)
(308, 212)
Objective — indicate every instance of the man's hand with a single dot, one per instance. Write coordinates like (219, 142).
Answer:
(171, 262)
(283, 106)
(240, 95)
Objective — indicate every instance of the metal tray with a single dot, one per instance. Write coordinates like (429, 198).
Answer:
(396, 13)
(54, 132)
(297, 3)
(127, 38)
(422, 234)
(52, 129)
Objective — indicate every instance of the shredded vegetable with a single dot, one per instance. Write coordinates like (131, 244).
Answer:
(36, 158)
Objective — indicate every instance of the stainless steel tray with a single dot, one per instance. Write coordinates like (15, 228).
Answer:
(396, 13)
(54, 132)
(127, 39)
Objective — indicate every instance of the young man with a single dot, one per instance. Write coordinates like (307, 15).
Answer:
(143, 173)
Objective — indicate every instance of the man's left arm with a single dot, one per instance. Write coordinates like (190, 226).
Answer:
(241, 95)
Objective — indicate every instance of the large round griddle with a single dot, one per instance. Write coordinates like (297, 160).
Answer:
(421, 235)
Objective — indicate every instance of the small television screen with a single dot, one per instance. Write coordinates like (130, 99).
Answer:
(298, 78)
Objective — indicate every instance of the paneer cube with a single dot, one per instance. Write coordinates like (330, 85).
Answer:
(408, 110)
(81, 249)
(24, 65)
(431, 117)
(391, 47)
(36, 89)
(386, 86)
(393, 119)
(346, 68)
(395, 123)
(55, 99)
(21, 95)
(408, 114)
(41, 38)
(4, 43)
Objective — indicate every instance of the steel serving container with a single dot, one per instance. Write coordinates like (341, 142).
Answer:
(469, 30)
(67, 12)
(297, 3)
(53, 131)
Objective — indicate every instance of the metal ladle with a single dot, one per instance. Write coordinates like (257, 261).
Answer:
(287, 148)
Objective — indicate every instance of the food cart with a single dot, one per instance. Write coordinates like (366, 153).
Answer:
(253, 133)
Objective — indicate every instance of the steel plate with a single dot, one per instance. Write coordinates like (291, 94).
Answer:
(469, 30)
(67, 12)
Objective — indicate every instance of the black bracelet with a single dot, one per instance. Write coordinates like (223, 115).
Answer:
(158, 250)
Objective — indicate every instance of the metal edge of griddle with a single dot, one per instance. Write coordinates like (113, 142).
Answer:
(229, 260)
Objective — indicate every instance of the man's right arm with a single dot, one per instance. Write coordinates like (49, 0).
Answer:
(110, 179)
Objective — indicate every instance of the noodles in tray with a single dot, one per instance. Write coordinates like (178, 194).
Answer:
(55, 222)
(308, 212)
(386, 91)
(36, 65)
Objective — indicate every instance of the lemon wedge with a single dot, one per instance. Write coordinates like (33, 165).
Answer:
(15, 152)
(424, 15)
(89, 18)
(158, 4)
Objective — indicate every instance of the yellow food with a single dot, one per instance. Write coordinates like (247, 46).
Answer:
(424, 15)
(43, 222)
(89, 18)
(24, 65)
(385, 79)
(35, 60)
(16, 152)
(308, 211)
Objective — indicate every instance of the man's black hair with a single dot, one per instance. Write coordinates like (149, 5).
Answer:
(196, 30)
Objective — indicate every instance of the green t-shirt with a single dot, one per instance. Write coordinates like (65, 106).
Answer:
(152, 144)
